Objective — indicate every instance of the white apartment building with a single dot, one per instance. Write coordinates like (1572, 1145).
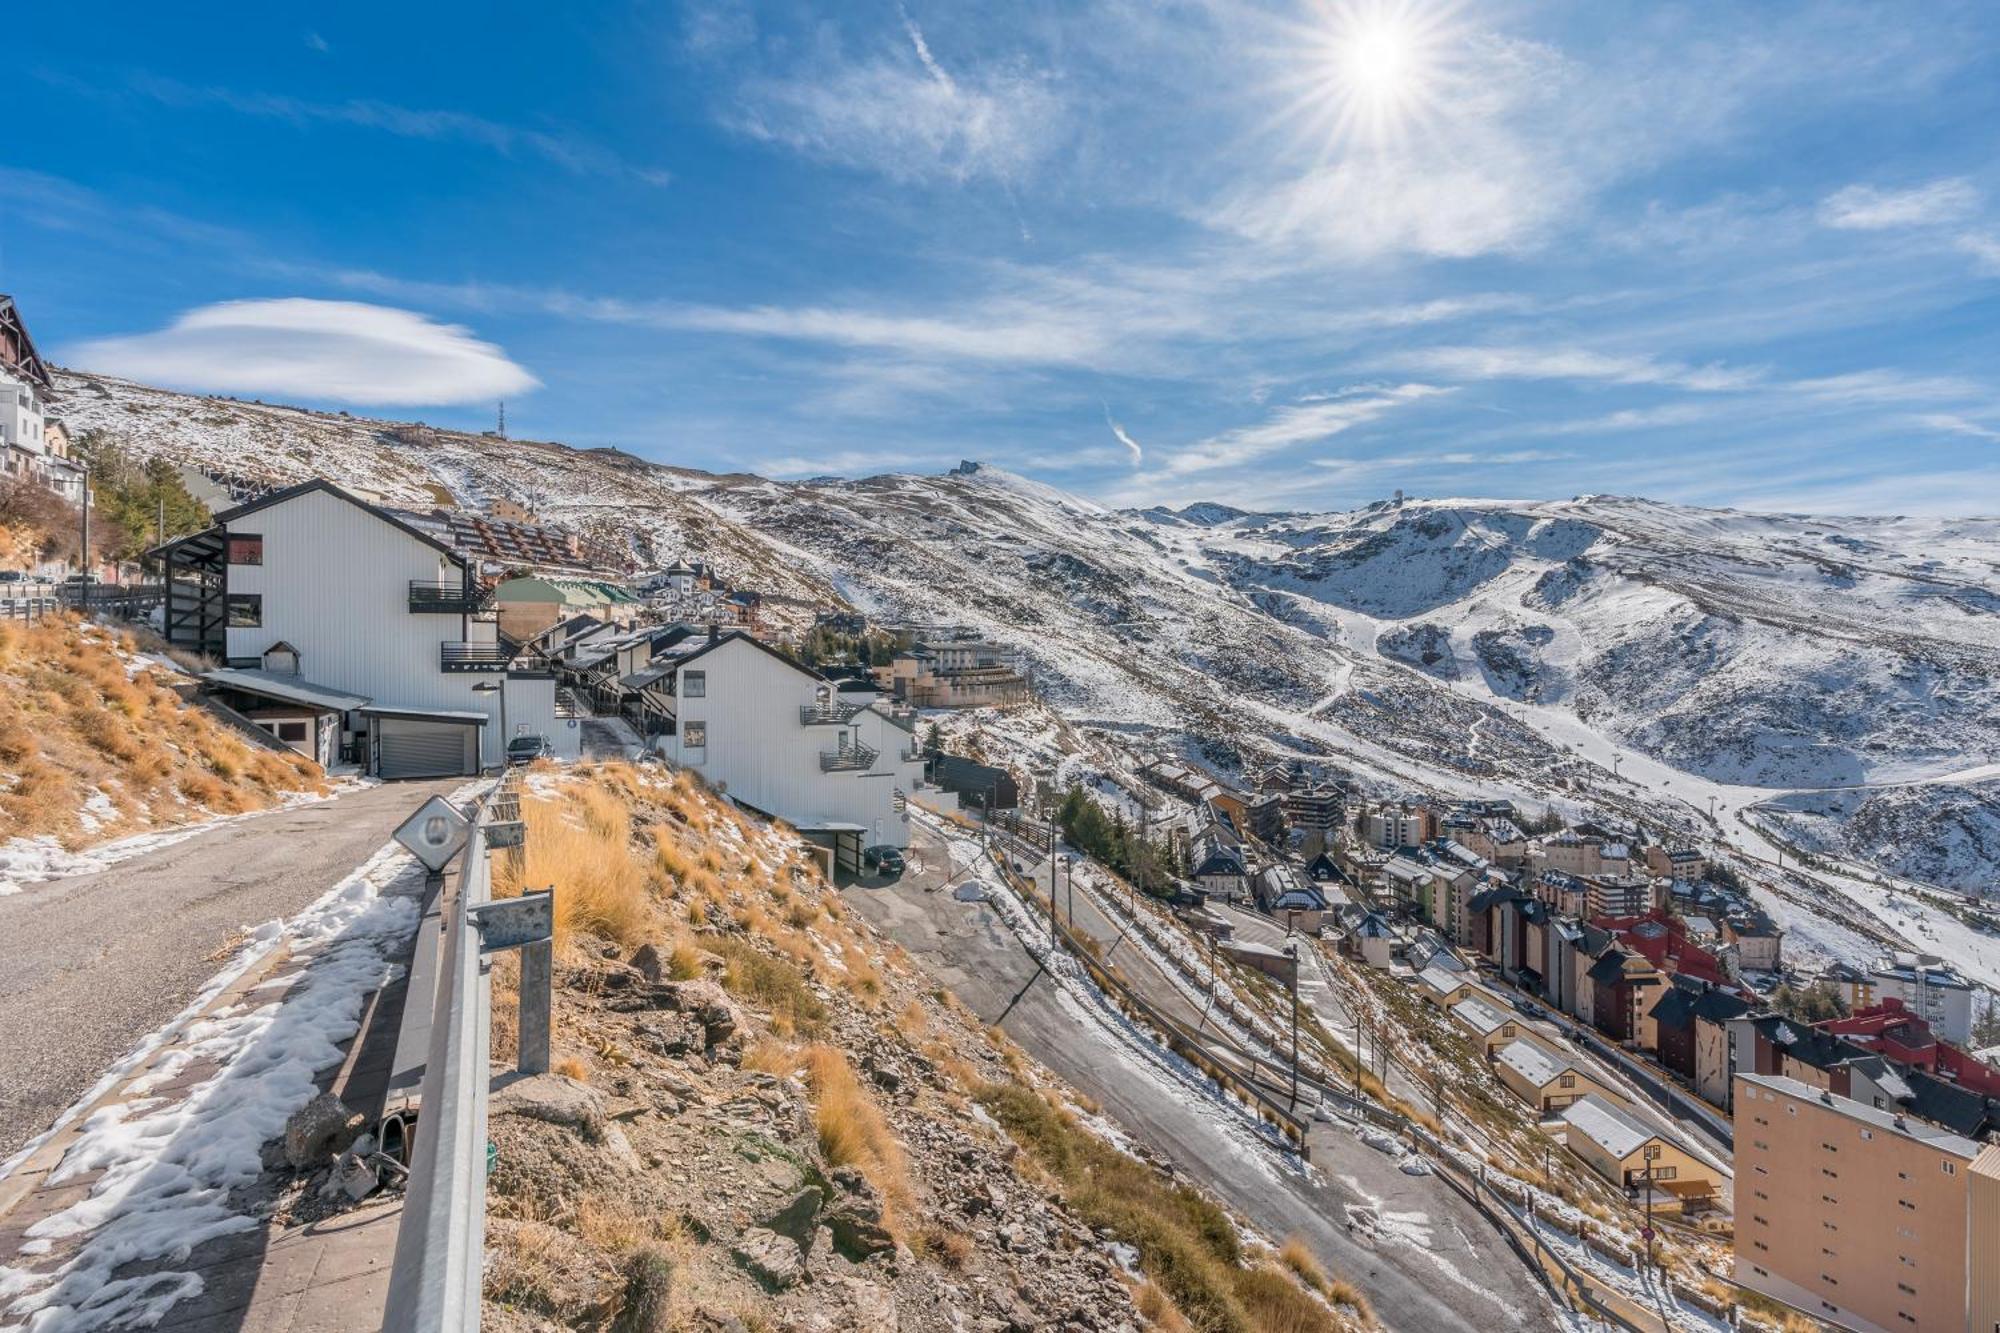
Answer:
(775, 735)
(350, 634)
(1929, 988)
(31, 445)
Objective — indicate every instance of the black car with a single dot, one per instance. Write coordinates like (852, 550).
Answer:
(887, 860)
(527, 749)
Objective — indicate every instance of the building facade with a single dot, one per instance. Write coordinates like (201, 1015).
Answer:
(1861, 1217)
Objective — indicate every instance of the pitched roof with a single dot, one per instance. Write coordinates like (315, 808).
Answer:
(1480, 1016)
(1609, 967)
(1538, 1066)
(1675, 1008)
(285, 688)
(1719, 1006)
(1607, 1126)
(279, 497)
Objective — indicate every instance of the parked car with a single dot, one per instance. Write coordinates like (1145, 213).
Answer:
(887, 860)
(13, 576)
(527, 749)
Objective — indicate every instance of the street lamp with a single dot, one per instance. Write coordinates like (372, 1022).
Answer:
(495, 687)
(1649, 1154)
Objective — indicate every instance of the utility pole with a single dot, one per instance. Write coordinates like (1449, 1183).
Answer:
(84, 587)
(1295, 1025)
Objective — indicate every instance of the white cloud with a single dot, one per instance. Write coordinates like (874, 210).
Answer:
(1984, 248)
(905, 117)
(1885, 386)
(1298, 423)
(1866, 208)
(1621, 421)
(1953, 424)
(328, 351)
(1130, 444)
(1572, 363)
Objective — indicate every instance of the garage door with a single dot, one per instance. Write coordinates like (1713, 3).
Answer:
(409, 748)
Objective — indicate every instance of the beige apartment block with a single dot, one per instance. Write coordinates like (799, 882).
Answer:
(1862, 1218)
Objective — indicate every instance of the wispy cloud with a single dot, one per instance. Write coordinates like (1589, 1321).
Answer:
(1138, 454)
(571, 153)
(315, 42)
(904, 116)
(1984, 247)
(1867, 208)
(1571, 363)
(323, 351)
(1296, 424)
(1953, 424)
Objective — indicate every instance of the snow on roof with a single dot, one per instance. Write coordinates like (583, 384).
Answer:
(1442, 980)
(1478, 1015)
(1607, 1126)
(1934, 1135)
(1531, 1062)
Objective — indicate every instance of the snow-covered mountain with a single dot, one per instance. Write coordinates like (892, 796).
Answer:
(1455, 645)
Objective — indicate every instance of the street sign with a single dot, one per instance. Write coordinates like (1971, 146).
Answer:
(435, 833)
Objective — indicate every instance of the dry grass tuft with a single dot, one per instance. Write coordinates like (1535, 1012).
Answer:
(1297, 1256)
(853, 1131)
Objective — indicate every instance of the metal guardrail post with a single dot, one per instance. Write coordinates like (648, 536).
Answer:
(435, 1284)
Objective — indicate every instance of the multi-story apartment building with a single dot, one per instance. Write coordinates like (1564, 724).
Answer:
(1862, 1218)
(1927, 986)
(348, 632)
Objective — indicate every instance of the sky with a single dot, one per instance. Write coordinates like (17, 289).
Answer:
(1283, 254)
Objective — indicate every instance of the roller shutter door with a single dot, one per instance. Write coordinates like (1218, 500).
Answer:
(410, 748)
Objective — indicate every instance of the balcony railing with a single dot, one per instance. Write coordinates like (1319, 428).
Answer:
(453, 598)
(473, 656)
(848, 758)
(834, 714)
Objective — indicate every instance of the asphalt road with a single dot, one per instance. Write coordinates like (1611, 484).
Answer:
(1438, 1267)
(90, 965)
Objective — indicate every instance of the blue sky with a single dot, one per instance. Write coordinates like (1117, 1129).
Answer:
(1281, 254)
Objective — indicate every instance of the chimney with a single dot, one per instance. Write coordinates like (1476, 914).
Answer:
(714, 632)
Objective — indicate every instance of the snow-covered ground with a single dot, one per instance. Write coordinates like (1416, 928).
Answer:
(162, 1168)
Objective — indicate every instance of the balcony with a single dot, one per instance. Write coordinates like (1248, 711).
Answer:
(854, 758)
(451, 599)
(834, 714)
(473, 656)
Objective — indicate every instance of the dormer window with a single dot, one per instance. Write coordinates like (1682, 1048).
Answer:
(282, 659)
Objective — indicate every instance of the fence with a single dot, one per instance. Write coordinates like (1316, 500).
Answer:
(440, 1247)
(27, 608)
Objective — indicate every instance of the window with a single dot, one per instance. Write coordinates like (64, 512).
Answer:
(1950, 1168)
(1906, 1289)
(246, 548)
(292, 733)
(1665, 1172)
(694, 684)
(694, 736)
(1567, 1081)
(246, 610)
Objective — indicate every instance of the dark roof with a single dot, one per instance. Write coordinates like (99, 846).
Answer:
(1675, 1008)
(1958, 1109)
(968, 771)
(1609, 967)
(1719, 1006)
(1815, 1048)
(1324, 868)
(1486, 899)
(1220, 860)
(263, 502)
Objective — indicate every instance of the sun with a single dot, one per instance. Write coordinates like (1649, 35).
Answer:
(1370, 71)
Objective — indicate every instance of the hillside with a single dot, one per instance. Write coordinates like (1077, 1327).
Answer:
(97, 743)
(763, 1116)
(1457, 646)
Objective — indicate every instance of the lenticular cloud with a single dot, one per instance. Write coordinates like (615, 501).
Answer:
(344, 351)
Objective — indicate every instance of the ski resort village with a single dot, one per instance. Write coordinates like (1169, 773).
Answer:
(456, 878)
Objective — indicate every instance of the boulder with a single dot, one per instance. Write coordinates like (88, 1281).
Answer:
(772, 1259)
(555, 1100)
(648, 963)
(798, 1219)
(318, 1130)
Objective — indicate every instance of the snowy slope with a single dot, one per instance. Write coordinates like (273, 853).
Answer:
(1459, 646)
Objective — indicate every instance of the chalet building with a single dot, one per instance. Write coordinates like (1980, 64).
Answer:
(314, 598)
(1218, 864)
(1756, 940)
(1370, 938)
(1675, 862)
(774, 735)
(1445, 987)
(1281, 894)
(1490, 1026)
(1543, 1079)
(982, 785)
(1863, 1217)
(1633, 1158)
(32, 447)
(1324, 869)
